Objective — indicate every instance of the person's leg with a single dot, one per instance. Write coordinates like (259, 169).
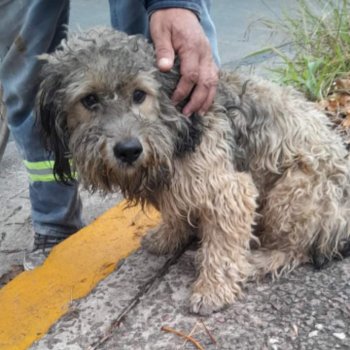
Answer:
(130, 16)
(29, 28)
(209, 29)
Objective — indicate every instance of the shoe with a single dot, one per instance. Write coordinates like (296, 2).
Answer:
(42, 247)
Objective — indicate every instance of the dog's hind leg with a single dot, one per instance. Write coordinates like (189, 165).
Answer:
(225, 230)
(304, 210)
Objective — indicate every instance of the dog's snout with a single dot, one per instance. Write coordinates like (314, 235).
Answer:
(128, 151)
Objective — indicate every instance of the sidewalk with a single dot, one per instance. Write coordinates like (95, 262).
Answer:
(98, 290)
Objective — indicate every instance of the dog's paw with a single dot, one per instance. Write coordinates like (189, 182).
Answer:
(204, 305)
(158, 242)
(207, 298)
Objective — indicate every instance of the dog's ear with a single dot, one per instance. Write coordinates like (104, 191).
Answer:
(188, 131)
(53, 122)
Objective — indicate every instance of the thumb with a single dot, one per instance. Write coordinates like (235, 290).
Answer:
(164, 51)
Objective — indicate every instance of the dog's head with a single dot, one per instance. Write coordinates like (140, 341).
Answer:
(103, 103)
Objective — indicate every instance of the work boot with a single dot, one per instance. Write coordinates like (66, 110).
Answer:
(43, 245)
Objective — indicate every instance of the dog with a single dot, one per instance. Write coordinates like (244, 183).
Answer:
(261, 179)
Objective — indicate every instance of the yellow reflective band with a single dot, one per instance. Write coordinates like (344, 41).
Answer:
(47, 177)
(42, 171)
(41, 178)
(47, 164)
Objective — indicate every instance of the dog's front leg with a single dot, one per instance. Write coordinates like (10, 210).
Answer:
(226, 230)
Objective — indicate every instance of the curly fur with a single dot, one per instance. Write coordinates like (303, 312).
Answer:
(261, 179)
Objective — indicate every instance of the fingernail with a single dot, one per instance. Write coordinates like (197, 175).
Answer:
(164, 63)
(186, 113)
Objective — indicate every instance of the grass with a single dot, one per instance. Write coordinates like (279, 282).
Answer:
(319, 31)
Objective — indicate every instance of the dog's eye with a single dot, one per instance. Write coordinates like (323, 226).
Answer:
(138, 96)
(90, 101)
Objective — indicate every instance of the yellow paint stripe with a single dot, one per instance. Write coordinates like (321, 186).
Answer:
(35, 300)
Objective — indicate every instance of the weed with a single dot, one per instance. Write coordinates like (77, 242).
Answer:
(319, 31)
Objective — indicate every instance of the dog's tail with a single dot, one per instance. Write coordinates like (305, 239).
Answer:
(321, 260)
(275, 262)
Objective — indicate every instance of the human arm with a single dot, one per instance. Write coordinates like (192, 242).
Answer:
(177, 31)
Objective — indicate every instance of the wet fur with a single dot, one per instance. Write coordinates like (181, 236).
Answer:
(261, 169)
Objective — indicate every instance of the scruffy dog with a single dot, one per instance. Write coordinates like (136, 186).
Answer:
(261, 179)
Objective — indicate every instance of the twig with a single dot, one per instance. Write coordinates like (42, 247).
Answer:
(190, 334)
(135, 301)
(180, 334)
(213, 340)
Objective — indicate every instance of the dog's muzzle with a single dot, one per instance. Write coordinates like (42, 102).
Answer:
(128, 151)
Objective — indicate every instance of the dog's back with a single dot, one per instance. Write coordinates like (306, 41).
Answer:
(276, 128)
(297, 160)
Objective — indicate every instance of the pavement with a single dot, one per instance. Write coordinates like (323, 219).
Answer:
(99, 290)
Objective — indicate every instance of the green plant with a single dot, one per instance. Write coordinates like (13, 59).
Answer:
(319, 33)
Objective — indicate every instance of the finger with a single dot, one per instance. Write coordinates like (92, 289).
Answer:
(165, 54)
(209, 101)
(183, 89)
(203, 95)
(198, 98)
(189, 76)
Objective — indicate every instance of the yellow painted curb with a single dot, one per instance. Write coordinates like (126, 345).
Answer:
(35, 300)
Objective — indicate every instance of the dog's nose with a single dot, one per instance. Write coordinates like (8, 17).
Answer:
(128, 151)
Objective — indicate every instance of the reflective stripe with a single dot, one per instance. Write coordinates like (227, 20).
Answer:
(47, 164)
(41, 178)
(46, 178)
(41, 171)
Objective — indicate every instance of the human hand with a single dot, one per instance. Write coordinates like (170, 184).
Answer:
(178, 31)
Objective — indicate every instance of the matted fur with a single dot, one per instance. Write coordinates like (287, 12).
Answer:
(261, 179)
